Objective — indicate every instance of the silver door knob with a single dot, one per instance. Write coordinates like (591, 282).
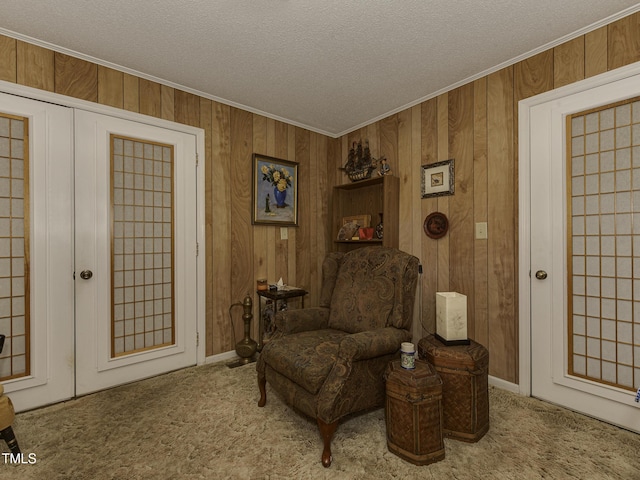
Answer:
(86, 274)
(541, 274)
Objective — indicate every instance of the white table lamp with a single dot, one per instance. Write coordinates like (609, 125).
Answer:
(451, 318)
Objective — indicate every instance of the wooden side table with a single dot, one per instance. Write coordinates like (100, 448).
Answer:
(275, 296)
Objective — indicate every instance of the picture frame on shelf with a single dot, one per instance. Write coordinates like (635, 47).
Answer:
(438, 179)
(274, 191)
(362, 220)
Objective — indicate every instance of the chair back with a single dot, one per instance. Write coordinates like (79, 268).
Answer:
(374, 288)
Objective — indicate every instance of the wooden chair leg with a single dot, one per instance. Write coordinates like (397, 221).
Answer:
(262, 385)
(326, 431)
(9, 437)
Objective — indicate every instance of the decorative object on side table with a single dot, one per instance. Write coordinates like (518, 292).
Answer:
(438, 179)
(464, 370)
(408, 355)
(275, 191)
(360, 163)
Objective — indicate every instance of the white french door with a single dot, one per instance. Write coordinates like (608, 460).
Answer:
(135, 255)
(36, 251)
(582, 163)
(99, 274)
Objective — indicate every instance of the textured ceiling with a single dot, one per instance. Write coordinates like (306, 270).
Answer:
(330, 66)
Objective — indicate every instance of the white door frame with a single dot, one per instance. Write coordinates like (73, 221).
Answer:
(55, 98)
(524, 205)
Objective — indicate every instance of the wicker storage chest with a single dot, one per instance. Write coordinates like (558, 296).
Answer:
(465, 388)
(414, 413)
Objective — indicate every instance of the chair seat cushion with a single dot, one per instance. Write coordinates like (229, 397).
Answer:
(305, 358)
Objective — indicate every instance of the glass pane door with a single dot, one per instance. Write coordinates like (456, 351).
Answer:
(142, 254)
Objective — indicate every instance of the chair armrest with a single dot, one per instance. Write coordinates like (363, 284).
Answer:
(373, 343)
(302, 320)
(349, 389)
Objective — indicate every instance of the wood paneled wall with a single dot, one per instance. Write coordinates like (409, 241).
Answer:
(477, 124)
(237, 253)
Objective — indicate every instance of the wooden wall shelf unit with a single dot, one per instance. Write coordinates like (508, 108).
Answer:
(370, 197)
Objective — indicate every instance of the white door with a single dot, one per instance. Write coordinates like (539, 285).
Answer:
(98, 242)
(136, 239)
(36, 251)
(583, 153)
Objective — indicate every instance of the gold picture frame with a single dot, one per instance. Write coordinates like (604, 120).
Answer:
(362, 220)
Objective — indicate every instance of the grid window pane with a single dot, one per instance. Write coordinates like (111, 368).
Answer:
(142, 277)
(604, 244)
(14, 239)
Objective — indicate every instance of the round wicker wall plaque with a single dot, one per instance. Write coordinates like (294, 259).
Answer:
(436, 225)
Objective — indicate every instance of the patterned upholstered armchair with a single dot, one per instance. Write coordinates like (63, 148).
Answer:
(328, 361)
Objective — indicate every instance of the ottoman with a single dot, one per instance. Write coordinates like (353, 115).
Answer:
(413, 413)
(464, 372)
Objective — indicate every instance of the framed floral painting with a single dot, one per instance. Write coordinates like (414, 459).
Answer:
(275, 191)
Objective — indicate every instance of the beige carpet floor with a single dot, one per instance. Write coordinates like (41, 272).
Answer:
(203, 423)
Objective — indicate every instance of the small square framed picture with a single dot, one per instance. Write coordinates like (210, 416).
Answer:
(438, 179)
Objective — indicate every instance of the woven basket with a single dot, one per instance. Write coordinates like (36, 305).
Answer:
(465, 386)
(413, 413)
